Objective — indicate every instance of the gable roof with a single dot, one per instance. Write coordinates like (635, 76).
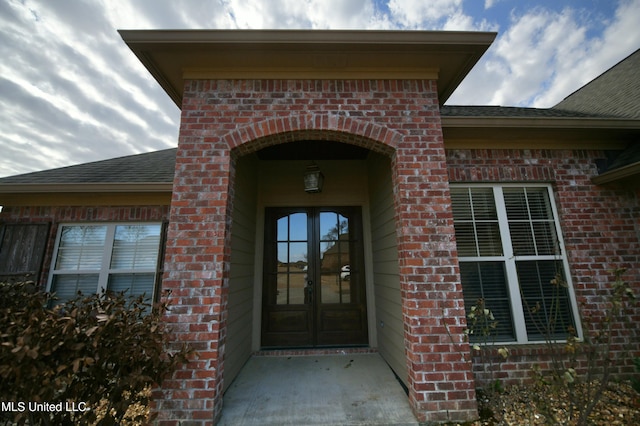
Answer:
(616, 92)
(147, 172)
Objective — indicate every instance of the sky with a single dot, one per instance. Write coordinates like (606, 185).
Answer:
(72, 92)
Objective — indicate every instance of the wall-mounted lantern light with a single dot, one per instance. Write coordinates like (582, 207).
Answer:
(313, 179)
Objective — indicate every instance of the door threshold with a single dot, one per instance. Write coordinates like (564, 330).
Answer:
(315, 351)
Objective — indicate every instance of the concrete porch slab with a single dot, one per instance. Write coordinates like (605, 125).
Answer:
(352, 389)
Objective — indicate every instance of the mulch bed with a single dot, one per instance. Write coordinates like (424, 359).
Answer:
(540, 405)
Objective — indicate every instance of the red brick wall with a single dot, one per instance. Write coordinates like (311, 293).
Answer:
(601, 231)
(63, 214)
(225, 119)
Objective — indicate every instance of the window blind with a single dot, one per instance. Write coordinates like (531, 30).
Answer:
(509, 252)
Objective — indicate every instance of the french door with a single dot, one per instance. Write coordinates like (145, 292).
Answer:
(313, 280)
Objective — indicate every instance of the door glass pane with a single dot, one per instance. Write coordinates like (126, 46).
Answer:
(283, 229)
(335, 265)
(292, 258)
(290, 289)
(298, 227)
(336, 287)
(283, 254)
(291, 282)
(333, 226)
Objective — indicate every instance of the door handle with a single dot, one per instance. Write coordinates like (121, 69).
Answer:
(309, 289)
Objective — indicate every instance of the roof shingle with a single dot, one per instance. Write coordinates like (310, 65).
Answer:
(616, 92)
(514, 112)
(152, 167)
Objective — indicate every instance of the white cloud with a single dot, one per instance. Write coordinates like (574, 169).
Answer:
(488, 4)
(296, 14)
(576, 67)
(543, 56)
(422, 14)
(73, 92)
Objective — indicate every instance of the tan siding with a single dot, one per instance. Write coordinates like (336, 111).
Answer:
(385, 266)
(240, 320)
(281, 183)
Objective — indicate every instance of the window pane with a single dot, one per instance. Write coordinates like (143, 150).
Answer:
(81, 247)
(531, 222)
(484, 207)
(133, 285)
(66, 287)
(487, 280)
(546, 304)
(476, 222)
(516, 203)
(461, 203)
(466, 239)
(546, 239)
(522, 239)
(135, 247)
(539, 203)
(489, 241)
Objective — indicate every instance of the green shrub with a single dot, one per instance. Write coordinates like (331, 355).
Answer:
(79, 353)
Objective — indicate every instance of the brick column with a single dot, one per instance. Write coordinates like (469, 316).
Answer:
(441, 383)
(197, 267)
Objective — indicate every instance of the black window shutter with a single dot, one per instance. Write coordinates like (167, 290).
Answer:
(22, 249)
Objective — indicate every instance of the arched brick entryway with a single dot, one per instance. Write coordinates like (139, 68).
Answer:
(224, 120)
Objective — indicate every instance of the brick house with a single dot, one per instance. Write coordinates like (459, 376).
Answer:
(423, 209)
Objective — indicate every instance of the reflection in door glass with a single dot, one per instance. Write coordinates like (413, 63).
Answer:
(335, 266)
(292, 259)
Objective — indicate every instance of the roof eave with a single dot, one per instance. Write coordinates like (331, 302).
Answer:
(539, 132)
(629, 173)
(67, 188)
(541, 122)
(172, 56)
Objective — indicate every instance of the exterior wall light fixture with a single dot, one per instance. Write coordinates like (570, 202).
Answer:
(313, 179)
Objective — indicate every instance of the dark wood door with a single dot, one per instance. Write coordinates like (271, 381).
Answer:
(313, 281)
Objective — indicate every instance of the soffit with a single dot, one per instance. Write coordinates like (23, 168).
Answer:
(172, 56)
(539, 132)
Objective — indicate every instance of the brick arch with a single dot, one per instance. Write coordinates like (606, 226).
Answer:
(273, 131)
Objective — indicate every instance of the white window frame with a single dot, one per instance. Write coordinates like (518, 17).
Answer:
(105, 269)
(509, 259)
